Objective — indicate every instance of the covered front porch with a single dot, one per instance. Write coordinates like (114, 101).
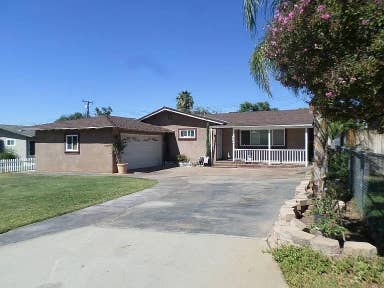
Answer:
(262, 145)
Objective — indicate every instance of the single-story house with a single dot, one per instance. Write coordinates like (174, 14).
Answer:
(85, 145)
(270, 137)
(19, 139)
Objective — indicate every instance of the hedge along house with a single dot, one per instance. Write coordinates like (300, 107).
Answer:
(269, 137)
(85, 145)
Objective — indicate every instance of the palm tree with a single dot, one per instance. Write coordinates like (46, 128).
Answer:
(184, 101)
(259, 64)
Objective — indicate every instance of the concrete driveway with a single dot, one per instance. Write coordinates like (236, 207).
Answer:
(199, 227)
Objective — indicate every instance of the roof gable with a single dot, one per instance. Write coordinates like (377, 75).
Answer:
(200, 117)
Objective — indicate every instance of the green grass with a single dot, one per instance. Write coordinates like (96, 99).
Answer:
(26, 198)
(374, 210)
(304, 268)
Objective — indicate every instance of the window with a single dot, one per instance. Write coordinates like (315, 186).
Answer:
(278, 137)
(71, 143)
(32, 148)
(260, 137)
(187, 134)
(10, 142)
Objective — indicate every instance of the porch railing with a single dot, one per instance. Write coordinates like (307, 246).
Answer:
(17, 165)
(284, 156)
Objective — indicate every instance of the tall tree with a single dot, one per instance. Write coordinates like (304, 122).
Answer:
(184, 101)
(73, 116)
(203, 111)
(106, 111)
(258, 106)
(331, 51)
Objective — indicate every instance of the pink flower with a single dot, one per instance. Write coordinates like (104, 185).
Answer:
(329, 94)
(320, 8)
(365, 22)
(325, 16)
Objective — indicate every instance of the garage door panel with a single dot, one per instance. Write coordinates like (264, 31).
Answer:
(143, 151)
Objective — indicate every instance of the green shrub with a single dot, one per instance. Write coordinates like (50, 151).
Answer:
(337, 176)
(329, 227)
(182, 158)
(305, 268)
(8, 154)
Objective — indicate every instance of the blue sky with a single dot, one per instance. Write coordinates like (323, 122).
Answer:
(134, 56)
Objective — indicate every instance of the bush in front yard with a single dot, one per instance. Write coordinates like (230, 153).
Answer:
(7, 154)
(306, 268)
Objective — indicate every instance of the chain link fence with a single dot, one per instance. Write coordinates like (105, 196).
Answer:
(366, 181)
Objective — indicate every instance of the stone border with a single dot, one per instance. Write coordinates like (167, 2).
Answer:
(288, 230)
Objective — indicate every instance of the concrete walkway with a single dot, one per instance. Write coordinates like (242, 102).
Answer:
(187, 231)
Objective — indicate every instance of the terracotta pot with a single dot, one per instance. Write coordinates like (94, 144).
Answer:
(122, 168)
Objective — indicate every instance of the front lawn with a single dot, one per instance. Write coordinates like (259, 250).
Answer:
(302, 267)
(26, 198)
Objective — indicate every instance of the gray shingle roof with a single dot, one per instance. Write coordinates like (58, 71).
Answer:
(103, 122)
(265, 118)
(18, 129)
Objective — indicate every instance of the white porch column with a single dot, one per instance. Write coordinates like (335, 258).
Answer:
(233, 145)
(211, 143)
(269, 146)
(306, 147)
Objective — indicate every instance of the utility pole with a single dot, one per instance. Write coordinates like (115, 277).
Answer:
(87, 104)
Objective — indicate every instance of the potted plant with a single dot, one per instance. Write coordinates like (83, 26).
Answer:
(118, 150)
(183, 161)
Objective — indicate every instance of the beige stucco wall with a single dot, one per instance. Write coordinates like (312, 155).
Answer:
(193, 149)
(295, 138)
(227, 143)
(95, 151)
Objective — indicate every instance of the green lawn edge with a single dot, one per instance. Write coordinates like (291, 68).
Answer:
(31, 198)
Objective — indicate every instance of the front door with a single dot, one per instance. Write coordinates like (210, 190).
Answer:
(219, 145)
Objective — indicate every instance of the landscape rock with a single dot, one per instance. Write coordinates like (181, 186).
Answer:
(296, 223)
(286, 214)
(354, 248)
(301, 238)
(327, 246)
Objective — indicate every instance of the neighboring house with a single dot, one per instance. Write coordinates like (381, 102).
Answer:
(270, 137)
(85, 145)
(19, 139)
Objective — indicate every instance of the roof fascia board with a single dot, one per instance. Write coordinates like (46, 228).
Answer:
(181, 113)
(258, 127)
(73, 128)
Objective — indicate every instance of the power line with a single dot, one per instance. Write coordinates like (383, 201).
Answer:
(87, 104)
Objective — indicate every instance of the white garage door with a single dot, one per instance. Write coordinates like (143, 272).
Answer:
(143, 151)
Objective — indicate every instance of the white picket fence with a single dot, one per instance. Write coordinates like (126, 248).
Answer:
(17, 165)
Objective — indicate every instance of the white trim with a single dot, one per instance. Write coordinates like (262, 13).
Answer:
(10, 145)
(233, 145)
(269, 146)
(66, 143)
(181, 113)
(263, 127)
(188, 130)
(260, 145)
(306, 147)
